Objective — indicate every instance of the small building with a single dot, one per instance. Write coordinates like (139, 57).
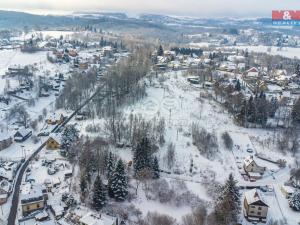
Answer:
(32, 198)
(287, 191)
(54, 142)
(22, 135)
(5, 187)
(5, 140)
(55, 119)
(252, 169)
(57, 210)
(255, 209)
(97, 219)
(253, 72)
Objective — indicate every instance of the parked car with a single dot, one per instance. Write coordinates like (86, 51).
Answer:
(250, 150)
(51, 171)
(43, 134)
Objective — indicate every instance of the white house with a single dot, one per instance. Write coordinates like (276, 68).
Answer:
(253, 72)
(252, 168)
(255, 207)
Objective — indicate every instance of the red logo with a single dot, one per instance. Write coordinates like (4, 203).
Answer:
(286, 15)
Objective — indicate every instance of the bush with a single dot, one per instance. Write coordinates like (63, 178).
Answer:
(207, 143)
(227, 140)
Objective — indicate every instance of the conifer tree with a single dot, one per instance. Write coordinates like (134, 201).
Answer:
(119, 182)
(238, 85)
(160, 51)
(155, 168)
(227, 205)
(99, 195)
(110, 172)
(294, 201)
(110, 165)
(296, 111)
(141, 159)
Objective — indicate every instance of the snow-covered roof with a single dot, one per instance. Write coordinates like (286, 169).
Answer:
(23, 132)
(31, 193)
(94, 219)
(56, 136)
(57, 209)
(253, 197)
(253, 69)
(248, 160)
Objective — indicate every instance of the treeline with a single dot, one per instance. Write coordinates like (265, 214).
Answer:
(187, 51)
(255, 110)
(123, 83)
(77, 89)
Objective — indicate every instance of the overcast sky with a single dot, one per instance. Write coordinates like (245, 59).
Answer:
(196, 8)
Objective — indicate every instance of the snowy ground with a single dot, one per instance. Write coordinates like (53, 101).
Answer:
(288, 52)
(178, 102)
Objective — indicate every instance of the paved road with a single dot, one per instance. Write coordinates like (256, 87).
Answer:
(15, 199)
(16, 192)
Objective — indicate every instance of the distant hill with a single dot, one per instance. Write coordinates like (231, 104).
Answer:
(12, 19)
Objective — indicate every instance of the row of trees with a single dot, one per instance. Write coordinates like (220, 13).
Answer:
(117, 187)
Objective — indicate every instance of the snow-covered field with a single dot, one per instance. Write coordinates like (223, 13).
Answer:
(178, 102)
(288, 52)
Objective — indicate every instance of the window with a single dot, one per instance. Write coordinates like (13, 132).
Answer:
(251, 211)
(28, 208)
(259, 208)
(259, 213)
(252, 206)
(38, 205)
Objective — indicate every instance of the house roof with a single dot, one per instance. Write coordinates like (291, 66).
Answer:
(253, 69)
(31, 193)
(23, 132)
(253, 197)
(248, 160)
(56, 137)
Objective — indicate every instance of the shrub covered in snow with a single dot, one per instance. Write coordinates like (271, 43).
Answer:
(294, 201)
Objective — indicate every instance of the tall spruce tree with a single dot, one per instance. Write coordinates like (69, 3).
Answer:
(155, 168)
(160, 51)
(238, 85)
(110, 165)
(227, 205)
(142, 158)
(296, 111)
(110, 172)
(294, 201)
(99, 194)
(119, 185)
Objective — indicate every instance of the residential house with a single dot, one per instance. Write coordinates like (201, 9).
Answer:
(55, 119)
(5, 188)
(252, 169)
(5, 140)
(253, 72)
(97, 219)
(254, 206)
(54, 142)
(22, 135)
(32, 198)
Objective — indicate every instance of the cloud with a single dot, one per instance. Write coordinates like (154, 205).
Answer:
(199, 8)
